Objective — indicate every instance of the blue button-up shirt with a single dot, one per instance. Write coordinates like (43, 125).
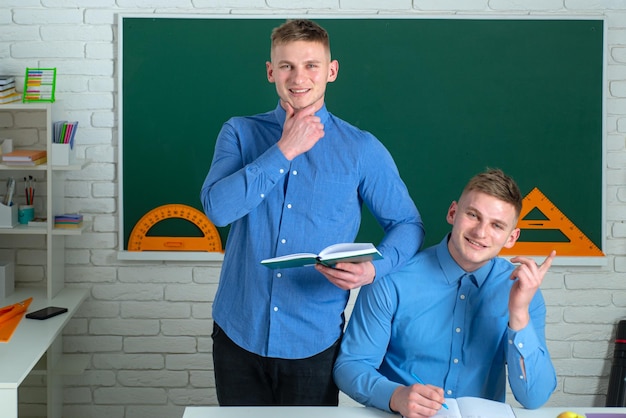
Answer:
(447, 327)
(277, 207)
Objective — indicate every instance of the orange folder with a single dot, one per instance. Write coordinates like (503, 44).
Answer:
(10, 317)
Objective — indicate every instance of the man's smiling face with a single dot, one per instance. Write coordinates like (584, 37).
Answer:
(300, 70)
(481, 226)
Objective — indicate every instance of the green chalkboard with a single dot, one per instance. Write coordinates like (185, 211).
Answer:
(448, 97)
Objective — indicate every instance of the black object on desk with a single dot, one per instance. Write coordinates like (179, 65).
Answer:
(616, 395)
(46, 313)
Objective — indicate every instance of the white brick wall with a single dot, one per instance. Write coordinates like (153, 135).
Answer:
(146, 326)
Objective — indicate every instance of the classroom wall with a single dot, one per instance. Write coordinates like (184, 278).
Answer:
(146, 325)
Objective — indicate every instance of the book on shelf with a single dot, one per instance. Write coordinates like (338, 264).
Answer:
(68, 226)
(24, 154)
(7, 91)
(329, 256)
(14, 97)
(8, 86)
(6, 79)
(469, 406)
(27, 163)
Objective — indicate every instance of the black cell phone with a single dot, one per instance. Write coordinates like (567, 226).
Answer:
(46, 313)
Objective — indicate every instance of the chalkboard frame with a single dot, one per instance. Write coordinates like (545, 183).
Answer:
(124, 192)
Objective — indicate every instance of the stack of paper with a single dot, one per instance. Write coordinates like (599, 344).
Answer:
(68, 220)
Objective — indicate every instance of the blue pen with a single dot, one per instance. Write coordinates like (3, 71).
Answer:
(422, 383)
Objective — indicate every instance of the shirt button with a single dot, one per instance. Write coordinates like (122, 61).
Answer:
(520, 345)
(456, 361)
(281, 171)
(262, 195)
(275, 308)
(521, 377)
(289, 206)
(282, 241)
(449, 392)
(279, 275)
(510, 341)
(458, 330)
(294, 172)
(462, 297)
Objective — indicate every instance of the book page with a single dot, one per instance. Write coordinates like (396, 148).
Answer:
(296, 256)
(451, 412)
(352, 252)
(346, 249)
(472, 407)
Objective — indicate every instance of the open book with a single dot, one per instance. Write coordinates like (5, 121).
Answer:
(469, 406)
(329, 256)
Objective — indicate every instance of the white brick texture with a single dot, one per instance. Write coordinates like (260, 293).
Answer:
(146, 326)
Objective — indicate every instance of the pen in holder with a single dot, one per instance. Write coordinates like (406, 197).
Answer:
(26, 212)
(8, 211)
(29, 190)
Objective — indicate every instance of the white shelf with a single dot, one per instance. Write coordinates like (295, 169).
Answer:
(75, 166)
(42, 230)
(40, 167)
(25, 106)
(33, 338)
(20, 229)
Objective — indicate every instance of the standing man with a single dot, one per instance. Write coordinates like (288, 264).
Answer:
(454, 317)
(294, 180)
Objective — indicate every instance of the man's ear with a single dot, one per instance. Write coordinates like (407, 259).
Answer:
(270, 71)
(513, 237)
(333, 71)
(452, 212)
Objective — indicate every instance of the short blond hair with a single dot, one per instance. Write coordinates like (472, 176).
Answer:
(494, 182)
(300, 30)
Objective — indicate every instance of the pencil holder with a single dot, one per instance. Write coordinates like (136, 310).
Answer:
(25, 214)
(62, 154)
(7, 280)
(8, 216)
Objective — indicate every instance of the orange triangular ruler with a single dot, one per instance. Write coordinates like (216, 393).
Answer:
(10, 317)
(575, 244)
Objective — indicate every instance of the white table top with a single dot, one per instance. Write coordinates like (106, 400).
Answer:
(360, 412)
(32, 337)
(553, 412)
(284, 412)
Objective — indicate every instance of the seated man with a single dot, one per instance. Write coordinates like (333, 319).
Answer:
(454, 316)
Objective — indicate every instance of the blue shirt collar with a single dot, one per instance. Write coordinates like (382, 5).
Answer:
(453, 272)
(279, 112)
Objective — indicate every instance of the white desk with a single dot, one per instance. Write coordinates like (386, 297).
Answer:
(356, 412)
(284, 412)
(552, 412)
(31, 340)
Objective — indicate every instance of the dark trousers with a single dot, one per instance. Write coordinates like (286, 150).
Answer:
(244, 378)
